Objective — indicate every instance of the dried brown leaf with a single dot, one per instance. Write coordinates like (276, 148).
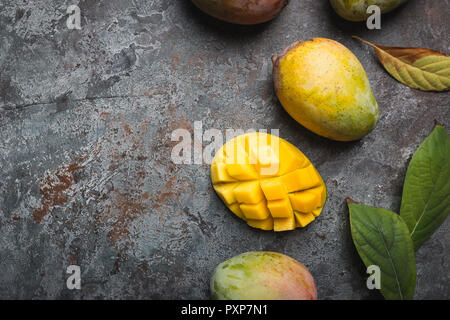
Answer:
(418, 68)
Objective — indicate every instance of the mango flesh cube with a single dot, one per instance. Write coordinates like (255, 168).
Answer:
(284, 224)
(274, 189)
(290, 160)
(303, 219)
(268, 161)
(249, 192)
(263, 155)
(260, 152)
(321, 193)
(267, 156)
(305, 201)
(280, 208)
(220, 156)
(257, 211)
(237, 210)
(252, 141)
(261, 224)
(219, 173)
(235, 152)
(243, 176)
(302, 179)
(226, 192)
(309, 200)
(317, 212)
(301, 159)
(242, 171)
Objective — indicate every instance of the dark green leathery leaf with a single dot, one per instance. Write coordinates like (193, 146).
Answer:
(426, 192)
(382, 239)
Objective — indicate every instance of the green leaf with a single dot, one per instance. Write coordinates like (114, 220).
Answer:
(418, 68)
(382, 238)
(426, 192)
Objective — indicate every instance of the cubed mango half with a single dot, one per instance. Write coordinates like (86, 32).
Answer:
(268, 182)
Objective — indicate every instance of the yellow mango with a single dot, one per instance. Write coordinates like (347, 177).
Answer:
(324, 87)
(267, 200)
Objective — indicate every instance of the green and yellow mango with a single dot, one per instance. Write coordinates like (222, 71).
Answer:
(356, 10)
(262, 276)
(324, 87)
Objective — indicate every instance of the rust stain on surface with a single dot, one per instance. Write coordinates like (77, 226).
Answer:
(175, 61)
(167, 191)
(123, 210)
(52, 189)
(118, 180)
(126, 153)
(73, 259)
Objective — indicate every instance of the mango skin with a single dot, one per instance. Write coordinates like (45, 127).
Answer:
(356, 10)
(261, 275)
(245, 12)
(324, 87)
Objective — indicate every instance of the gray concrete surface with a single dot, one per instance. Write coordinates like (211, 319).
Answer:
(86, 118)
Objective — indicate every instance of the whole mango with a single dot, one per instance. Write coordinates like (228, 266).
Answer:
(242, 11)
(356, 10)
(262, 276)
(324, 87)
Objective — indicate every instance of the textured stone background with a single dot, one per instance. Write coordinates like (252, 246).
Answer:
(85, 124)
